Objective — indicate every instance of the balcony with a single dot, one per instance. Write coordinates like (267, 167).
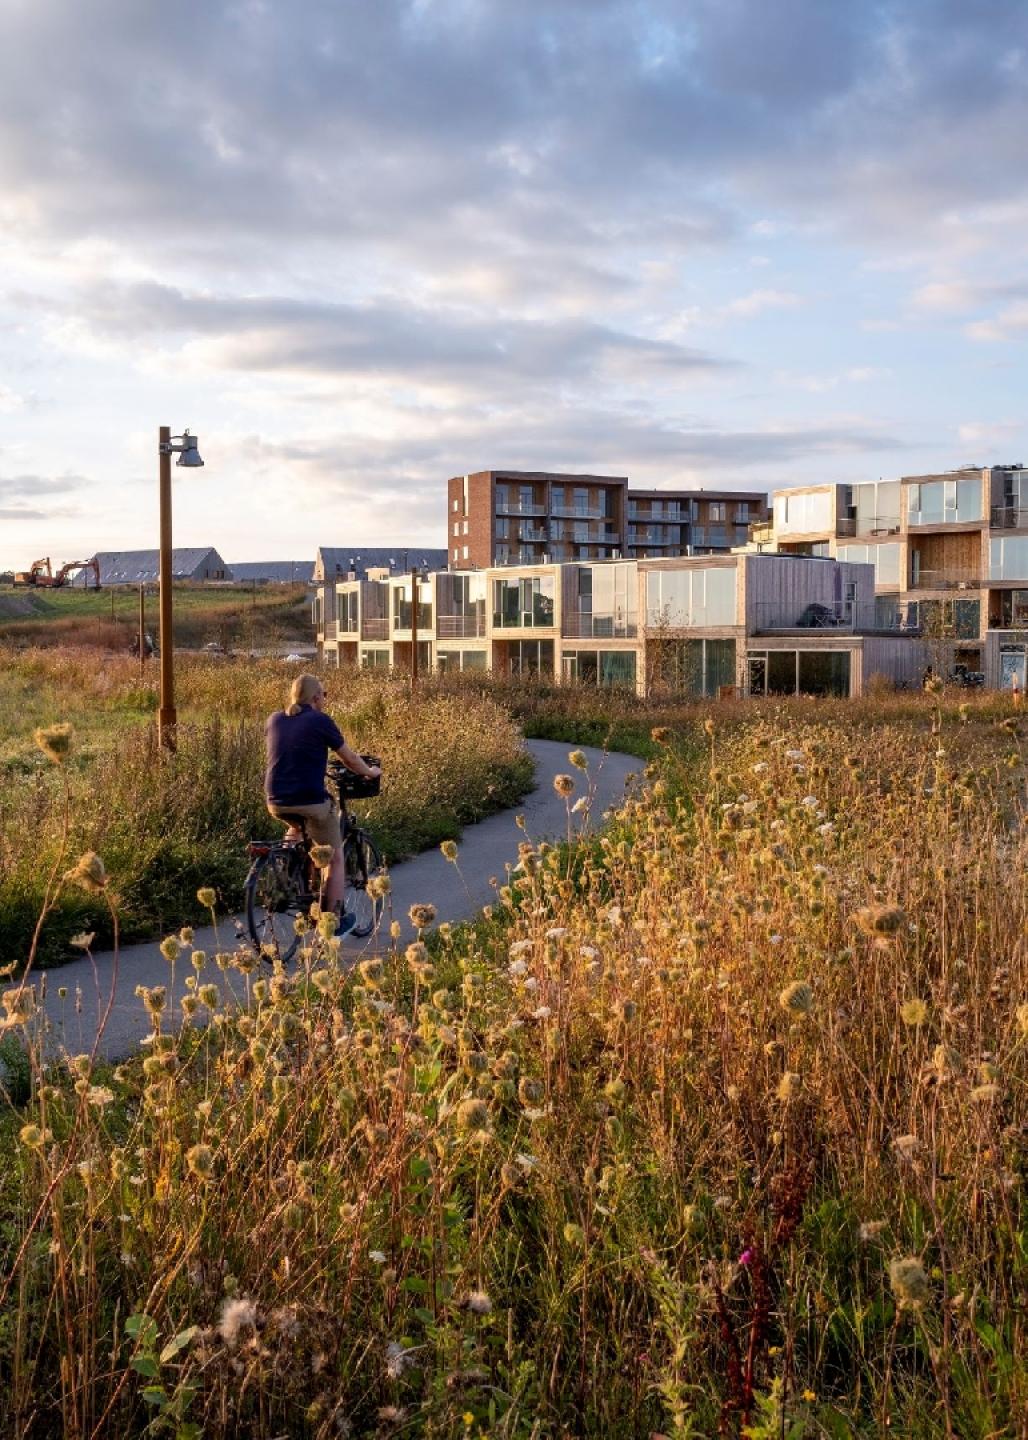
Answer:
(1008, 517)
(514, 507)
(777, 617)
(375, 629)
(461, 627)
(532, 534)
(877, 525)
(950, 579)
(330, 629)
(579, 512)
(583, 625)
(762, 532)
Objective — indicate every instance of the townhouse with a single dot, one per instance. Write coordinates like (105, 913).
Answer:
(744, 623)
(950, 558)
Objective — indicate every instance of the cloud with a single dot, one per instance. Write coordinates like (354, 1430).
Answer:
(381, 337)
(759, 300)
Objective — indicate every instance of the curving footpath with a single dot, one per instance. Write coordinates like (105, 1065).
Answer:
(458, 893)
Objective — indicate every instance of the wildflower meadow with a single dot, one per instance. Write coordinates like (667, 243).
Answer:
(714, 1123)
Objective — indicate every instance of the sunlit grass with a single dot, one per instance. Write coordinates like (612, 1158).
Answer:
(714, 1126)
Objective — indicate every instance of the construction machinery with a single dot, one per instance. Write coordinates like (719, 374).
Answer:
(41, 575)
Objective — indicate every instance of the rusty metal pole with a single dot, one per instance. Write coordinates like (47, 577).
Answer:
(414, 597)
(166, 717)
(142, 630)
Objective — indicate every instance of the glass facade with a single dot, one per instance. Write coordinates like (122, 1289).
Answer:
(523, 602)
(690, 599)
(600, 667)
(692, 667)
(449, 660)
(945, 502)
(1008, 558)
(800, 672)
(885, 559)
(805, 514)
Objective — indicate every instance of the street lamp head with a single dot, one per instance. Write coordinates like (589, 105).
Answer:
(190, 455)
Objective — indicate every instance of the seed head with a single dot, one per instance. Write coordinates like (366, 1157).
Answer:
(206, 896)
(797, 998)
(909, 1282)
(449, 851)
(89, 873)
(200, 1159)
(321, 855)
(236, 1315)
(421, 916)
(564, 785)
(170, 947)
(914, 1012)
(578, 759)
(789, 1086)
(55, 742)
(661, 735)
(472, 1114)
(479, 1303)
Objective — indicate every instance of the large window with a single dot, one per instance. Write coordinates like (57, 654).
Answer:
(800, 672)
(530, 657)
(690, 599)
(1008, 558)
(805, 514)
(348, 611)
(450, 660)
(692, 667)
(945, 502)
(885, 559)
(600, 667)
(375, 659)
(523, 602)
(403, 613)
(878, 507)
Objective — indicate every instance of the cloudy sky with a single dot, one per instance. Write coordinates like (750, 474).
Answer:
(358, 246)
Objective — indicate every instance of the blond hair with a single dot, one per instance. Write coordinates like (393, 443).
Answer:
(303, 690)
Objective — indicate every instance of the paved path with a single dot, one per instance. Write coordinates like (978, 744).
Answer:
(458, 893)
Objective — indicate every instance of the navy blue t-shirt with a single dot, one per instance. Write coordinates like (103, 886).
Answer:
(297, 747)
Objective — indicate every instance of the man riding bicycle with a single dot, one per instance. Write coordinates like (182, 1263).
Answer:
(298, 740)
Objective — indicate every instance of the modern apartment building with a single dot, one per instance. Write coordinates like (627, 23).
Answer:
(517, 517)
(745, 624)
(666, 523)
(950, 555)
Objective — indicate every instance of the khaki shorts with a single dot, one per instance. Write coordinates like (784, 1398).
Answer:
(322, 821)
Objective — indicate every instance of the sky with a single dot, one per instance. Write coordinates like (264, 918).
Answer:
(359, 247)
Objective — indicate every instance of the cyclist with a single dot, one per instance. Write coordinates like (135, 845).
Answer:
(298, 740)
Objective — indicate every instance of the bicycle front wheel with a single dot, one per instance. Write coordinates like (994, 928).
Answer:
(274, 900)
(362, 862)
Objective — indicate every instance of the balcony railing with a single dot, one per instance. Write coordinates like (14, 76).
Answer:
(513, 507)
(461, 627)
(582, 625)
(533, 534)
(949, 579)
(330, 629)
(845, 526)
(375, 629)
(579, 512)
(838, 617)
(1009, 517)
(877, 525)
(347, 625)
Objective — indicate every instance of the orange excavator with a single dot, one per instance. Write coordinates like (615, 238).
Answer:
(42, 576)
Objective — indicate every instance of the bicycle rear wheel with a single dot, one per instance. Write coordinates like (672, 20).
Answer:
(362, 861)
(274, 899)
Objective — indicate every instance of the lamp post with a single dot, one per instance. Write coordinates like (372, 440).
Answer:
(185, 445)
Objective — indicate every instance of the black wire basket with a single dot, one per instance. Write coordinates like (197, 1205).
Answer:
(356, 787)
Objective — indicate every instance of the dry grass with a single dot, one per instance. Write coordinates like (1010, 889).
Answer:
(167, 825)
(716, 1126)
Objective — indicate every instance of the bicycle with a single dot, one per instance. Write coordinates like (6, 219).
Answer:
(283, 882)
